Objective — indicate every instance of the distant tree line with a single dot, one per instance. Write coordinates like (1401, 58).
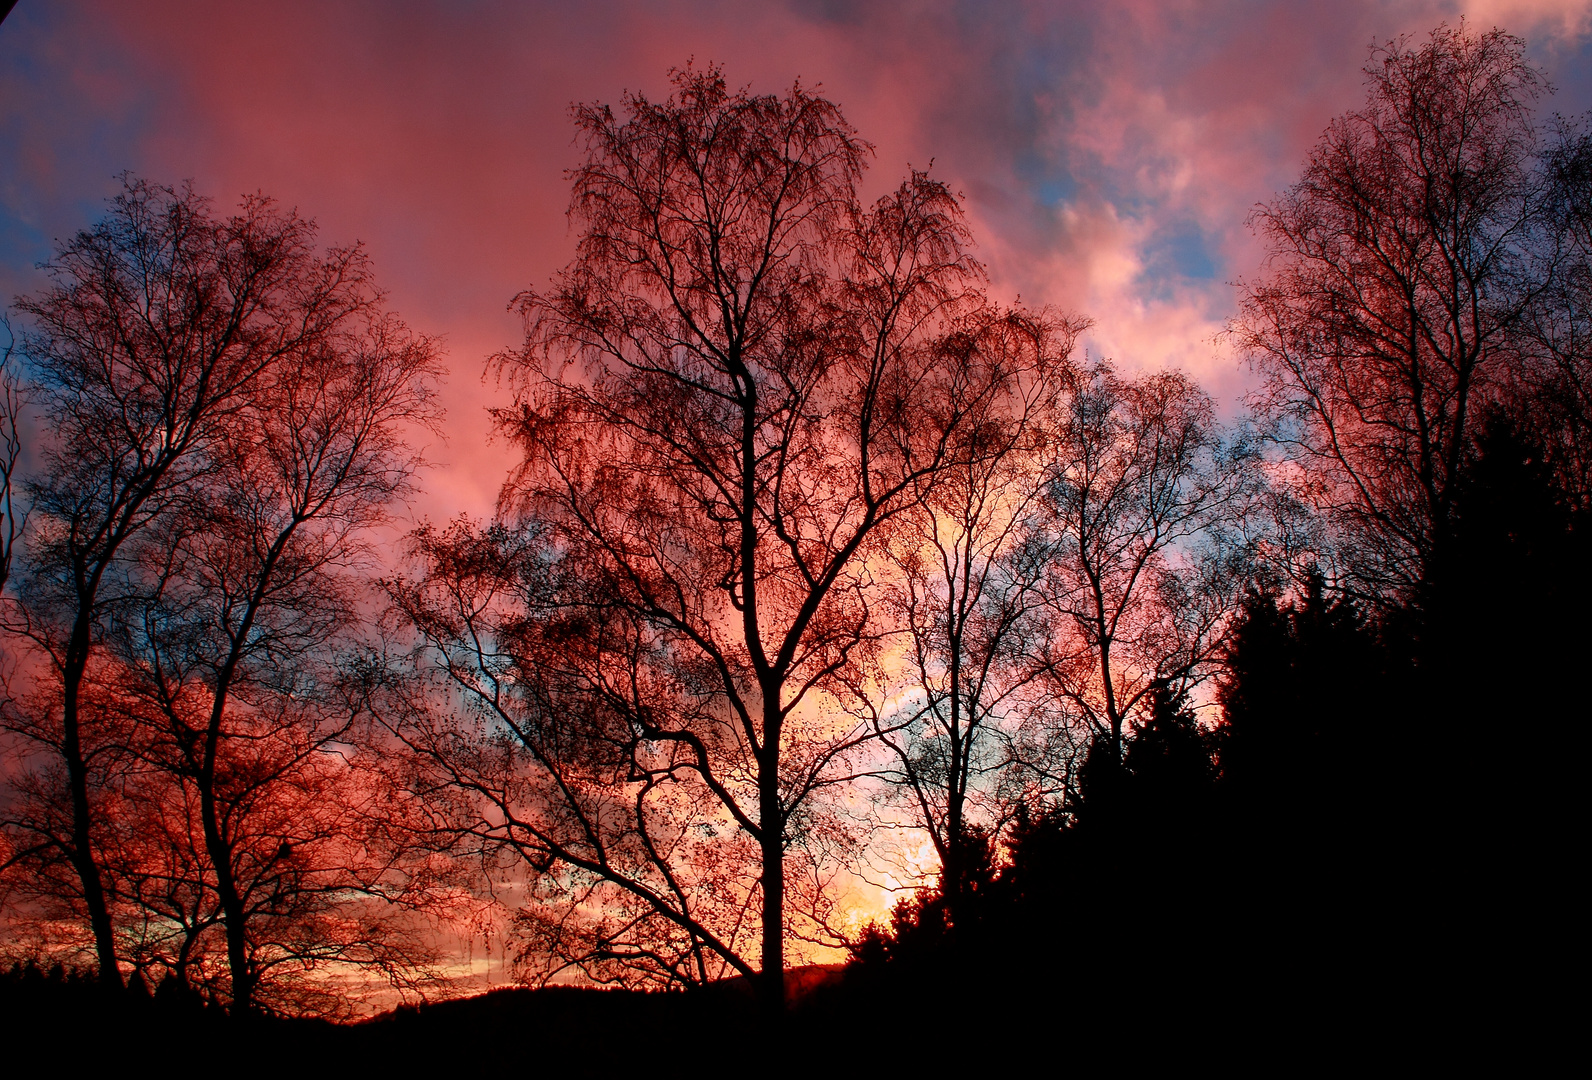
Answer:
(809, 540)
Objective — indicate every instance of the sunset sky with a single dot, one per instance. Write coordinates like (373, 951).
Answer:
(1109, 154)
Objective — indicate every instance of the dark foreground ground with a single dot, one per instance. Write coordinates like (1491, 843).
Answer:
(842, 1020)
(1158, 1014)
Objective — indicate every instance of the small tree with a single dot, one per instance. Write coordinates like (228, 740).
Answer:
(1142, 540)
(965, 589)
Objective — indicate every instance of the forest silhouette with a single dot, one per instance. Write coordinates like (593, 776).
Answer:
(1251, 734)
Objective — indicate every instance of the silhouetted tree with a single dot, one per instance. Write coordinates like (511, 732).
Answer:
(163, 903)
(1292, 673)
(1422, 333)
(1093, 899)
(1304, 807)
(1142, 539)
(242, 597)
(967, 594)
(1138, 826)
(1401, 269)
(1170, 763)
(1494, 641)
(161, 322)
(742, 376)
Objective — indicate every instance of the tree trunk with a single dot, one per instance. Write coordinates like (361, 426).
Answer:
(99, 915)
(771, 818)
(951, 873)
(233, 917)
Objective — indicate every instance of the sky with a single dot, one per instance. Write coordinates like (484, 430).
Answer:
(1109, 154)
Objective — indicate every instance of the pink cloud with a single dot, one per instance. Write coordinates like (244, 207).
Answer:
(1110, 154)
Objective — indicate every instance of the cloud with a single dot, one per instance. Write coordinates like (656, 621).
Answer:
(1109, 154)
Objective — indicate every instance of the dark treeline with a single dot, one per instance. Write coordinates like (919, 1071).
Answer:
(810, 544)
(1374, 832)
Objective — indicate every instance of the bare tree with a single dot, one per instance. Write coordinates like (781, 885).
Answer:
(163, 904)
(965, 589)
(738, 380)
(1142, 537)
(1401, 267)
(243, 595)
(160, 321)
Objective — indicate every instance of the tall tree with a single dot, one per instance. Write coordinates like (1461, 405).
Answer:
(1401, 267)
(241, 600)
(740, 378)
(1421, 330)
(160, 320)
(1302, 808)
